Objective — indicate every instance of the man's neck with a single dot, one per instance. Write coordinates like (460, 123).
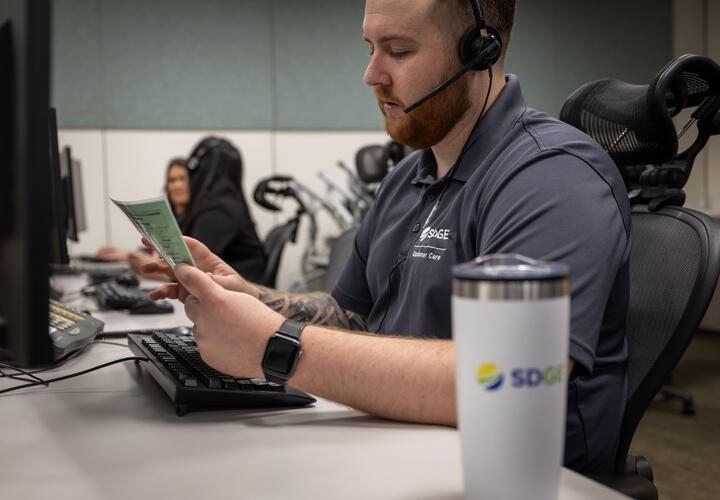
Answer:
(448, 149)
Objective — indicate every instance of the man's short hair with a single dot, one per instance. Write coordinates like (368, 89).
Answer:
(456, 16)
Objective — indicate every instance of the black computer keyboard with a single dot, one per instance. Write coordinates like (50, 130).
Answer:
(123, 277)
(176, 366)
(70, 329)
(112, 295)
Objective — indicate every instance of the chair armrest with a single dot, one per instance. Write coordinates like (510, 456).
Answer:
(631, 485)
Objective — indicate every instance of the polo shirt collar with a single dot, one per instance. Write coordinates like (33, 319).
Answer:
(488, 130)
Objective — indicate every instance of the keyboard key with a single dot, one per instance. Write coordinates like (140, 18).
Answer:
(229, 383)
(245, 384)
(260, 384)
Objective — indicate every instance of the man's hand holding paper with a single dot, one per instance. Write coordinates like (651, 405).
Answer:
(204, 260)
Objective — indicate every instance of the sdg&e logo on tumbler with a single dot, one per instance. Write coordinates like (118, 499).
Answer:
(489, 376)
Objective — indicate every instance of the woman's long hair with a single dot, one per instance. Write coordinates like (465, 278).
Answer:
(216, 171)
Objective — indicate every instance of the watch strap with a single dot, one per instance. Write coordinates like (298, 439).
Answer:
(292, 328)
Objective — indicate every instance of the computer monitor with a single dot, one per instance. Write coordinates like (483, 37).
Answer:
(71, 172)
(25, 188)
(78, 195)
(59, 198)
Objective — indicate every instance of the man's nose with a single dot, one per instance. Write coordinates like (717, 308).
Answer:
(375, 73)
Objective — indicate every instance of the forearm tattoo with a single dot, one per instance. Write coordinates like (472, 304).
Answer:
(316, 307)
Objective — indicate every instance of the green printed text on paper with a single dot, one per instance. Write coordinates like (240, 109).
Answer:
(155, 221)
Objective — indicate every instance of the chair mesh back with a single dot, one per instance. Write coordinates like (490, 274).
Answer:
(633, 123)
(697, 87)
(674, 266)
(618, 116)
(663, 268)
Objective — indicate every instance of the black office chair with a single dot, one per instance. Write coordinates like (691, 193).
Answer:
(675, 257)
(274, 244)
(339, 255)
(280, 235)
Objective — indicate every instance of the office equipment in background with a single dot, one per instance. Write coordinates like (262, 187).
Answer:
(71, 175)
(71, 329)
(347, 205)
(68, 213)
(25, 181)
(124, 277)
(675, 257)
(176, 366)
(113, 295)
(59, 208)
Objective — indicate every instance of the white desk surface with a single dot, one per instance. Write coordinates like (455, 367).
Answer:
(113, 434)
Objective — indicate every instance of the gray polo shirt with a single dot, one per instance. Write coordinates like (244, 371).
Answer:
(524, 183)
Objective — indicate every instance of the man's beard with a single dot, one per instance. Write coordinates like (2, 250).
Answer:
(430, 122)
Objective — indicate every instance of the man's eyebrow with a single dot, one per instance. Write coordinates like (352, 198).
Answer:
(391, 37)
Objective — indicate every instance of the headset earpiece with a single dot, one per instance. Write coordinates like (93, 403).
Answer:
(473, 43)
(477, 51)
(205, 146)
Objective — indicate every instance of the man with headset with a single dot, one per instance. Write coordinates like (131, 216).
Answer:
(490, 176)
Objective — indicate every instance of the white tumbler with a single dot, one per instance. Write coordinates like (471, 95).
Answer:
(511, 322)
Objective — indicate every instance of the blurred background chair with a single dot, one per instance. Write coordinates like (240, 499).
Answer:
(280, 235)
(274, 244)
(339, 255)
(346, 205)
(675, 257)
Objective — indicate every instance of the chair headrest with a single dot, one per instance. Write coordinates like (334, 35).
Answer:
(633, 123)
(371, 163)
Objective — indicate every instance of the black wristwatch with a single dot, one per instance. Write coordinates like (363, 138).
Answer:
(282, 352)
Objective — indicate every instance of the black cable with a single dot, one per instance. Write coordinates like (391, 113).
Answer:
(487, 95)
(37, 380)
(58, 363)
(15, 376)
(76, 374)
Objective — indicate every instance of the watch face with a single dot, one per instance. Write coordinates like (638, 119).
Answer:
(281, 354)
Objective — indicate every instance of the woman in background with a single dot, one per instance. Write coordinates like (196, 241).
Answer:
(177, 189)
(218, 214)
